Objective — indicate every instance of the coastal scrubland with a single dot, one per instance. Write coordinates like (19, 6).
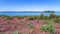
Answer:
(30, 24)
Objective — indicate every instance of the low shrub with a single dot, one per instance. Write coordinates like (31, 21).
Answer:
(16, 32)
(23, 22)
(46, 17)
(42, 16)
(57, 20)
(31, 17)
(52, 15)
(48, 28)
(31, 25)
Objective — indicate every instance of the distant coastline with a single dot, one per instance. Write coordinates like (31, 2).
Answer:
(25, 11)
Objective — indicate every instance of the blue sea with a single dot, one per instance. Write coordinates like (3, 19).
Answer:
(26, 13)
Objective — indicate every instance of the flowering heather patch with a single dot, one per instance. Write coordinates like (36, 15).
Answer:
(23, 26)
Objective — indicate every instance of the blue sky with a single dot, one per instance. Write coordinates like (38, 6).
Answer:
(29, 5)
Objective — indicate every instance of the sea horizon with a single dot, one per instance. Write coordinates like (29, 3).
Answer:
(26, 13)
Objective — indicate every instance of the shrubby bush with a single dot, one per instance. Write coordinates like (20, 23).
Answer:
(8, 18)
(56, 20)
(31, 18)
(46, 17)
(48, 28)
(16, 32)
(41, 16)
(31, 25)
(52, 15)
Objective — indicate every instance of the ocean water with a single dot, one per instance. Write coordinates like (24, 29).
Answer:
(26, 13)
